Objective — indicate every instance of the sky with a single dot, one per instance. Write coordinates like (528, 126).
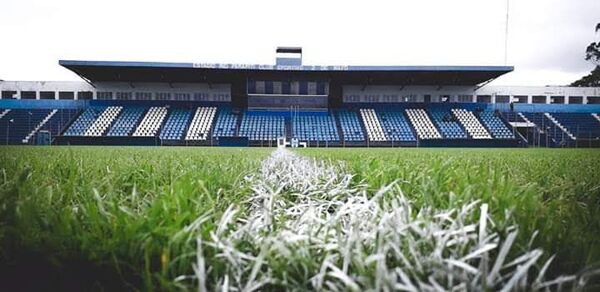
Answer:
(546, 38)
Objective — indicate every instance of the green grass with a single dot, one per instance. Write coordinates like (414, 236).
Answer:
(115, 217)
(556, 192)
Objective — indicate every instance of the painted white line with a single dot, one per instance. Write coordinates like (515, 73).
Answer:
(306, 221)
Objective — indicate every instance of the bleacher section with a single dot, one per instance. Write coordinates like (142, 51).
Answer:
(16, 124)
(351, 128)
(422, 124)
(314, 127)
(543, 124)
(175, 125)
(99, 126)
(200, 127)
(435, 125)
(262, 126)
(395, 125)
(39, 126)
(580, 125)
(449, 126)
(372, 124)
(84, 121)
(495, 125)
(151, 123)
(226, 123)
(475, 129)
(58, 121)
(126, 122)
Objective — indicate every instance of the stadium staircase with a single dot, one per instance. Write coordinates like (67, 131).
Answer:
(580, 125)
(595, 115)
(4, 112)
(546, 132)
(422, 124)
(475, 129)
(559, 125)
(16, 124)
(338, 126)
(39, 126)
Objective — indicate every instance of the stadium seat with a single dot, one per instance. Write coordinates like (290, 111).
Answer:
(422, 124)
(470, 122)
(351, 128)
(99, 126)
(200, 127)
(151, 123)
(126, 122)
(84, 121)
(226, 123)
(372, 124)
(495, 125)
(262, 126)
(314, 127)
(176, 124)
(449, 126)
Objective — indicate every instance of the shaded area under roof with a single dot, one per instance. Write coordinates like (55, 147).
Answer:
(105, 71)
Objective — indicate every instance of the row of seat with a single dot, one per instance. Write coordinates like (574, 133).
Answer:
(448, 125)
(262, 127)
(84, 121)
(471, 124)
(395, 125)
(99, 126)
(581, 125)
(126, 122)
(351, 127)
(201, 124)
(495, 125)
(372, 125)
(315, 128)
(226, 123)
(423, 125)
(175, 124)
(151, 122)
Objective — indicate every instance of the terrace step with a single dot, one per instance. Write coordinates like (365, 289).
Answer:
(39, 126)
(559, 125)
(6, 111)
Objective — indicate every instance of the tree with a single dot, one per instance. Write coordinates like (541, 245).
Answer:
(592, 54)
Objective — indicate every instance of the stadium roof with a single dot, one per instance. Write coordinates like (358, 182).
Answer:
(102, 71)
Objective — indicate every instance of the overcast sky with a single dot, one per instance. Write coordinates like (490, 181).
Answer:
(546, 43)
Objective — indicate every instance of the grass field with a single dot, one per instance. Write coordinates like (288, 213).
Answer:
(130, 218)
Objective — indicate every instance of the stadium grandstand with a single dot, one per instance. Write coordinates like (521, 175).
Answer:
(148, 103)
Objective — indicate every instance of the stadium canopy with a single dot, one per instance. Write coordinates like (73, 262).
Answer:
(108, 71)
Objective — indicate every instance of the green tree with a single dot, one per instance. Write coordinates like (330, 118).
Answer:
(592, 54)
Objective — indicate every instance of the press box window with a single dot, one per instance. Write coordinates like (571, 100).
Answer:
(575, 100)
(8, 94)
(66, 95)
(47, 95)
(104, 95)
(85, 95)
(28, 95)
